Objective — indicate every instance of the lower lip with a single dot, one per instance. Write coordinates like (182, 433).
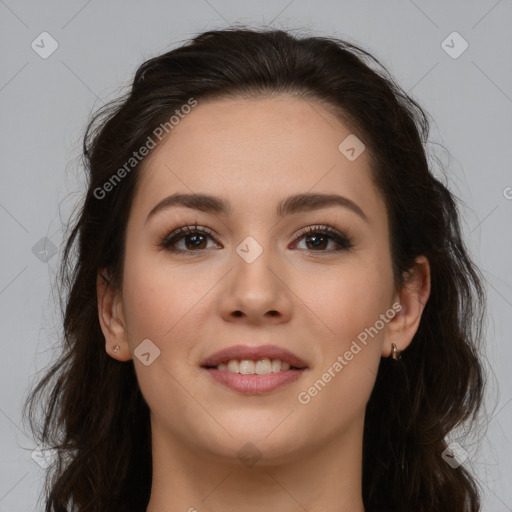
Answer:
(255, 384)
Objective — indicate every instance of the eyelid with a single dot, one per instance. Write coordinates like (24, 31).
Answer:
(179, 232)
(343, 241)
(341, 238)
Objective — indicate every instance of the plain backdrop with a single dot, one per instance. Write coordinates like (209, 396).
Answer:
(46, 100)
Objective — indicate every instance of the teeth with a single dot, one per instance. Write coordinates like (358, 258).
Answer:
(248, 367)
(233, 366)
(276, 365)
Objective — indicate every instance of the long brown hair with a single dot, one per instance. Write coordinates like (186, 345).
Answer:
(95, 415)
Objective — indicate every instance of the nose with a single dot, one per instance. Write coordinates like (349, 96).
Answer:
(256, 290)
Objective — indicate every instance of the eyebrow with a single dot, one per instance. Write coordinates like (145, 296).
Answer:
(293, 204)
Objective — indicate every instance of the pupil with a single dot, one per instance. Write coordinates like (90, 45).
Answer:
(315, 244)
(196, 240)
(195, 237)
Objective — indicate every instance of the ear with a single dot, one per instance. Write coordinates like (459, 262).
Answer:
(110, 312)
(412, 297)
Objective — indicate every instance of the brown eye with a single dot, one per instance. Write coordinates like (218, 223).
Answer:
(318, 237)
(195, 239)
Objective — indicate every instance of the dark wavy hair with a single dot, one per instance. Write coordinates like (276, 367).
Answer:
(95, 416)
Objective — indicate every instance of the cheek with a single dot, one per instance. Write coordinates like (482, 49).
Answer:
(337, 391)
(347, 297)
(157, 296)
(162, 304)
(341, 299)
(349, 300)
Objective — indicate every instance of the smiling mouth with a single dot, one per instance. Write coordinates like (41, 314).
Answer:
(259, 377)
(254, 370)
(263, 366)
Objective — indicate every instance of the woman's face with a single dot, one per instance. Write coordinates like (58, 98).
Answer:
(254, 279)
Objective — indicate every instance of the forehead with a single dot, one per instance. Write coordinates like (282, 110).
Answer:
(256, 150)
(285, 126)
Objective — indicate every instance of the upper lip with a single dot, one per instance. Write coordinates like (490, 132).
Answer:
(254, 353)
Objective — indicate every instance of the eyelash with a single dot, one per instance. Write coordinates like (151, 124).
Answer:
(342, 240)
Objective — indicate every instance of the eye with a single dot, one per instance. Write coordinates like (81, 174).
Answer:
(194, 239)
(320, 236)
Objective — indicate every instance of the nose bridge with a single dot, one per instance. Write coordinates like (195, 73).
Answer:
(250, 250)
(255, 287)
(254, 260)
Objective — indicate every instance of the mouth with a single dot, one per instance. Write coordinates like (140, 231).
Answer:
(254, 370)
(249, 367)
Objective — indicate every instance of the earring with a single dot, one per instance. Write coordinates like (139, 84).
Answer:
(116, 349)
(395, 354)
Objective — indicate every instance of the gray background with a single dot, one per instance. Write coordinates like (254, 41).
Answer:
(45, 104)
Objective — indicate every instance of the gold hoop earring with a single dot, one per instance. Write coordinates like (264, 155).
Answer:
(395, 354)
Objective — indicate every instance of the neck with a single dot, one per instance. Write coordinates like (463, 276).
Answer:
(326, 477)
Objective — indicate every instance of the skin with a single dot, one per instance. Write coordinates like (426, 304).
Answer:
(253, 153)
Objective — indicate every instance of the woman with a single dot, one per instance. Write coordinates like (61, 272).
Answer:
(271, 305)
